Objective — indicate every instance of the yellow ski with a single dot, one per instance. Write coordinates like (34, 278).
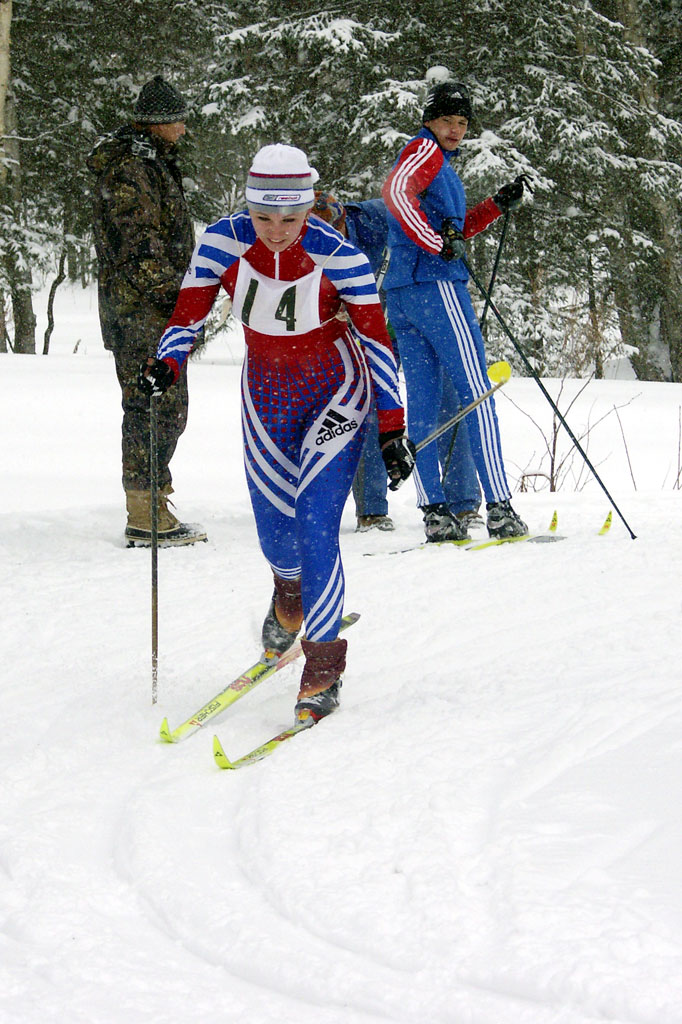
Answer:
(537, 538)
(244, 683)
(264, 750)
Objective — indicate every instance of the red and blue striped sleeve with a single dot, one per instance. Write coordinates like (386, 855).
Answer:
(214, 259)
(415, 169)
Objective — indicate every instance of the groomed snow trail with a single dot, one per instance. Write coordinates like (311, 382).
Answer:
(488, 830)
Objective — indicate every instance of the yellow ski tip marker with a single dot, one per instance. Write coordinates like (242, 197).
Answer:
(499, 372)
(607, 524)
(219, 755)
(165, 734)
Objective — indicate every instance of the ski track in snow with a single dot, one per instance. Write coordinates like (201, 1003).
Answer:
(488, 832)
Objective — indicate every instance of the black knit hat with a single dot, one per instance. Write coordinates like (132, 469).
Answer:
(159, 103)
(447, 98)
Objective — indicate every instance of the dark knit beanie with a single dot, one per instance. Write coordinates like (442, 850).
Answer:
(159, 103)
(447, 98)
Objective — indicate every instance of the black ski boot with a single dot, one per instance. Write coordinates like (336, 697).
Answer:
(440, 524)
(502, 521)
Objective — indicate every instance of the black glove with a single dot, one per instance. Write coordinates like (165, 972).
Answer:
(398, 454)
(510, 196)
(155, 377)
(453, 242)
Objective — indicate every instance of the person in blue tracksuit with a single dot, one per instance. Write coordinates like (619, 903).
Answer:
(366, 225)
(430, 309)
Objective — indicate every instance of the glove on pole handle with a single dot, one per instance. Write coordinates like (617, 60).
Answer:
(545, 392)
(500, 371)
(154, 502)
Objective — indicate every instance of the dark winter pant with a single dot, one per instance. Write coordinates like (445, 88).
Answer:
(132, 338)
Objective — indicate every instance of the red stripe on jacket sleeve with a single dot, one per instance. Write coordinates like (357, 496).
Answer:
(417, 166)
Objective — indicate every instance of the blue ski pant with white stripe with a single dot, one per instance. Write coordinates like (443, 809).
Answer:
(436, 326)
(303, 428)
(460, 482)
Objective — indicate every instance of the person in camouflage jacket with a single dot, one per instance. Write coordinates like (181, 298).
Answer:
(144, 241)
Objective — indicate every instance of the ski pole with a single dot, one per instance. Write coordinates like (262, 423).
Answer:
(499, 372)
(503, 235)
(383, 267)
(545, 392)
(154, 501)
(525, 183)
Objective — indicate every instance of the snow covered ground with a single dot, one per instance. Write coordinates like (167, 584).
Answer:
(489, 830)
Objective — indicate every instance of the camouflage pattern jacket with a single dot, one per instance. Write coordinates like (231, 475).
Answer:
(143, 232)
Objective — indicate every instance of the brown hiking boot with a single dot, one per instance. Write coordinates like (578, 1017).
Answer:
(321, 679)
(171, 532)
(366, 523)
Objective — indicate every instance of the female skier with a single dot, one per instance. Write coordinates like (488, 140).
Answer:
(306, 390)
(430, 309)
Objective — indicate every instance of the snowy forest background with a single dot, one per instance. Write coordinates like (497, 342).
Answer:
(583, 97)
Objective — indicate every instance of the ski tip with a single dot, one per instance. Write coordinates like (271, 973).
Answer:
(499, 372)
(165, 734)
(607, 524)
(219, 755)
(554, 522)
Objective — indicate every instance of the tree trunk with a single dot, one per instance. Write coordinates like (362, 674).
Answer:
(594, 340)
(19, 282)
(61, 274)
(669, 275)
(670, 292)
(23, 315)
(18, 278)
(4, 337)
(5, 21)
(633, 330)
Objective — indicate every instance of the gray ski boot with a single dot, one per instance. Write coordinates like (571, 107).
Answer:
(503, 521)
(440, 524)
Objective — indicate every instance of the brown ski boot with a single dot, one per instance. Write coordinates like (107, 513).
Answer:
(321, 679)
(284, 618)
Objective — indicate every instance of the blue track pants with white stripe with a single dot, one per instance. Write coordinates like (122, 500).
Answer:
(303, 428)
(436, 325)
